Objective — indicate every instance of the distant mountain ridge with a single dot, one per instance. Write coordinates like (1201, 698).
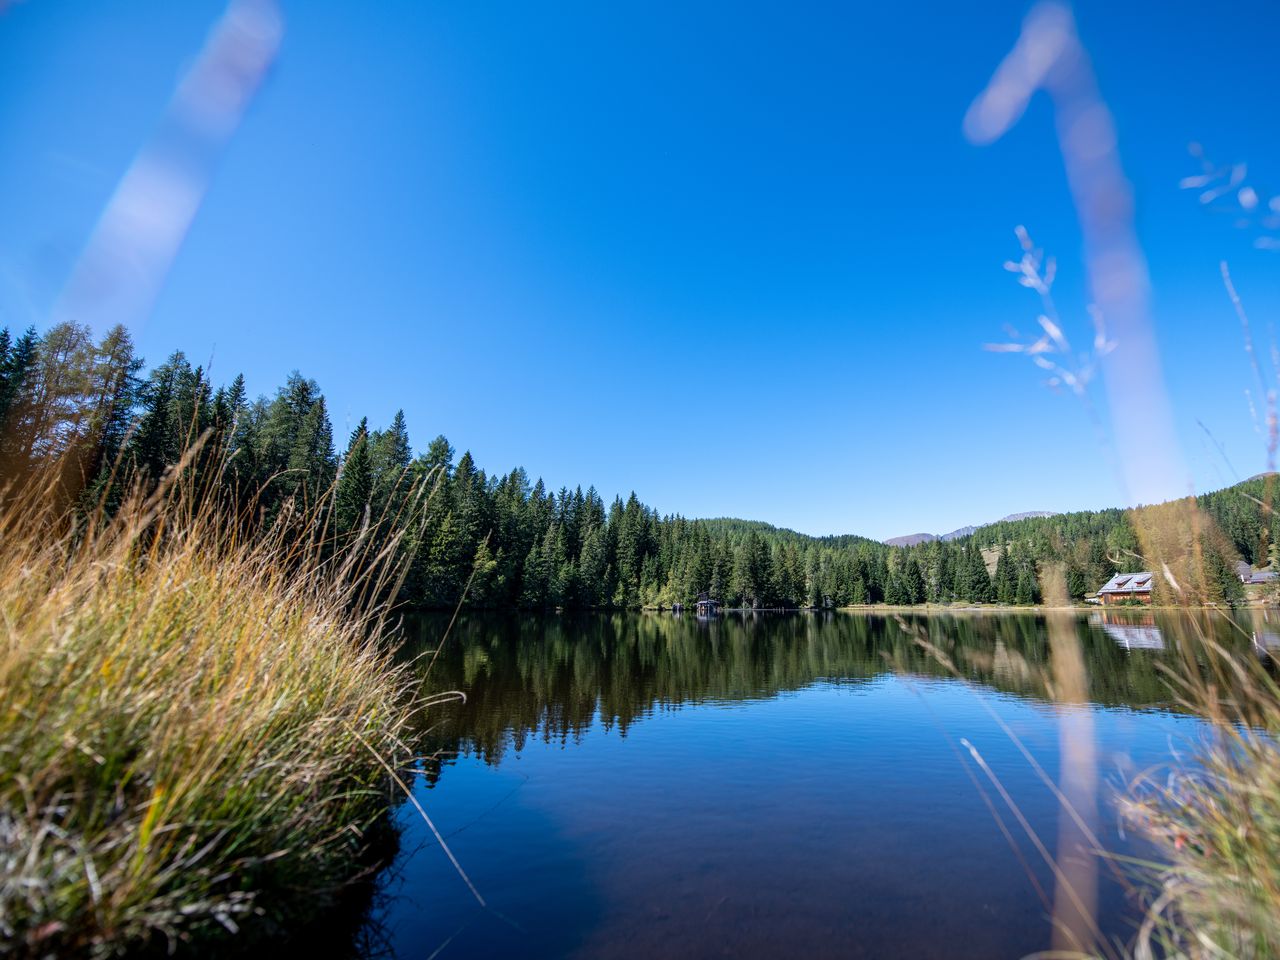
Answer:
(915, 539)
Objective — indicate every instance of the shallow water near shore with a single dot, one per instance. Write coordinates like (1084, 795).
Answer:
(635, 785)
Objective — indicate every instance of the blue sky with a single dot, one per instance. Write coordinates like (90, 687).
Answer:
(736, 257)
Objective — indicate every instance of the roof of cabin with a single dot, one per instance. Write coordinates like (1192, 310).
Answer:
(1250, 575)
(1128, 583)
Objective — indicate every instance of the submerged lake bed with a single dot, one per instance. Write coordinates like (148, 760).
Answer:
(627, 785)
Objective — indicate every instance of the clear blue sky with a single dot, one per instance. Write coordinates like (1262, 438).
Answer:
(736, 257)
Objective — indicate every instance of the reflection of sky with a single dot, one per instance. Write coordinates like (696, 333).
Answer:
(835, 820)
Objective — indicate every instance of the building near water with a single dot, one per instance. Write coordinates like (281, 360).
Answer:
(1247, 574)
(1127, 587)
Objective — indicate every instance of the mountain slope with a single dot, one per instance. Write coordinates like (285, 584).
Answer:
(915, 539)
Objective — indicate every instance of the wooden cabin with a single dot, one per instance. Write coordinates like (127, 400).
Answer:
(1127, 586)
(1247, 574)
(707, 607)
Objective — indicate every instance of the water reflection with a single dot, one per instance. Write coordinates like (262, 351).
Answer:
(641, 785)
(1130, 632)
(552, 678)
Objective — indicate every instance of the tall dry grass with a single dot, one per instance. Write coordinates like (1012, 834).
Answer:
(1215, 814)
(193, 725)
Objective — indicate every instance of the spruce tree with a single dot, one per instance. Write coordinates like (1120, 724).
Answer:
(1077, 586)
(390, 457)
(118, 390)
(439, 458)
(355, 484)
(913, 590)
(1006, 579)
(149, 447)
(1028, 590)
(533, 586)
(485, 587)
(16, 363)
(894, 595)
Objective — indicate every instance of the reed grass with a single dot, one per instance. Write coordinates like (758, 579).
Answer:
(194, 725)
(1215, 814)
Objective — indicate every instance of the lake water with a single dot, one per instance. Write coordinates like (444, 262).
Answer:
(647, 785)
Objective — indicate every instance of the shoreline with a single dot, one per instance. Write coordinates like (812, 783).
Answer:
(968, 608)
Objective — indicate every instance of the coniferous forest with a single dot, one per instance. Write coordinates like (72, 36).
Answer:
(502, 540)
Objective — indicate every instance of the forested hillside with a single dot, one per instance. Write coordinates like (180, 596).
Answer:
(507, 541)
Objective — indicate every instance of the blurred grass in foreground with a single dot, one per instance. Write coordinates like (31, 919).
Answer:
(1215, 814)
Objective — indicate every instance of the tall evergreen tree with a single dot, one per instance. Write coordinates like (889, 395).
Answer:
(913, 589)
(17, 358)
(1006, 578)
(355, 484)
(390, 458)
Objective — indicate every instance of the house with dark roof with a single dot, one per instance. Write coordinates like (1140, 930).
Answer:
(1247, 574)
(1127, 586)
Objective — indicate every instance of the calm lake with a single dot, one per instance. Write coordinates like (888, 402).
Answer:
(773, 785)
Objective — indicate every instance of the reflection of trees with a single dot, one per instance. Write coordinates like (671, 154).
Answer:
(553, 677)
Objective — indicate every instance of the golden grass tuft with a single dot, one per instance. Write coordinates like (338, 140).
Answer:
(191, 722)
(1215, 815)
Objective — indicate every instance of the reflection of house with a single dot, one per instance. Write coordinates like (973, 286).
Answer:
(1266, 644)
(1126, 586)
(1247, 574)
(1123, 618)
(1131, 633)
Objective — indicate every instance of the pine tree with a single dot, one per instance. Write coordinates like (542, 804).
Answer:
(894, 595)
(149, 448)
(945, 587)
(1006, 579)
(118, 390)
(390, 457)
(743, 586)
(1027, 590)
(485, 589)
(593, 564)
(533, 586)
(1220, 585)
(355, 484)
(439, 458)
(1077, 586)
(974, 582)
(310, 458)
(16, 362)
(912, 582)
(441, 566)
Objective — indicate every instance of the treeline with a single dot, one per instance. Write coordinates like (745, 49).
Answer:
(500, 540)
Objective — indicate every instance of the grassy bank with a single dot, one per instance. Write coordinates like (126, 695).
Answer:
(188, 729)
(1215, 815)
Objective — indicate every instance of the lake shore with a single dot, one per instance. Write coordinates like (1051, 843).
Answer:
(919, 608)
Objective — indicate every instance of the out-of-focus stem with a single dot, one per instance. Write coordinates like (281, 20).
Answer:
(1076, 890)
